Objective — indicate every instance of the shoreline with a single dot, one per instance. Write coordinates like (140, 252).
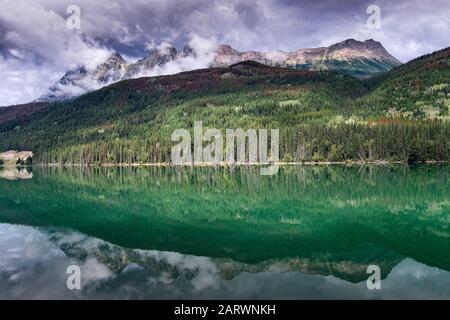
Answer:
(207, 164)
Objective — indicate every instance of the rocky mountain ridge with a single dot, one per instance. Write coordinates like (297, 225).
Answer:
(350, 57)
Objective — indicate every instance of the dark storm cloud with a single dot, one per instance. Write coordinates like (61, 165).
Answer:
(36, 46)
(249, 14)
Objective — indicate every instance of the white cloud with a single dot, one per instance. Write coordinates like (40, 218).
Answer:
(22, 82)
(38, 48)
(204, 49)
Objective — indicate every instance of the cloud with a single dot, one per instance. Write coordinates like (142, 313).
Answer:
(33, 264)
(21, 83)
(204, 56)
(37, 47)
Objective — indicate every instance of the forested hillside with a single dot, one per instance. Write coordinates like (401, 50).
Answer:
(419, 89)
(322, 116)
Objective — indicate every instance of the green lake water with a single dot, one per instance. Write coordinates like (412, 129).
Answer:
(163, 233)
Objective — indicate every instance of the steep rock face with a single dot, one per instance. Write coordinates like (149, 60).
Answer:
(80, 80)
(188, 51)
(226, 56)
(156, 58)
(350, 57)
(111, 70)
(69, 85)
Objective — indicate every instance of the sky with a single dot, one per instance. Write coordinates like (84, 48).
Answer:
(41, 39)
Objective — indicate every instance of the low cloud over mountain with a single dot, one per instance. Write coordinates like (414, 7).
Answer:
(37, 48)
(349, 57)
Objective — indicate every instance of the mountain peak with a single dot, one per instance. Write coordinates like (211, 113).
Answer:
(360, 58)
(188, 51)
(79, 80)
(165, 49)
(352, 43)
(226, 49)
(351, 49)
(157, 57)
(115, 56)
(111, 70)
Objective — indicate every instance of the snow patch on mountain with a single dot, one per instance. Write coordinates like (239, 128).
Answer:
(162, 59)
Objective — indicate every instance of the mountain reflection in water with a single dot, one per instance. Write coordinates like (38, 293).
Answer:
(308, 232)
(34, 263)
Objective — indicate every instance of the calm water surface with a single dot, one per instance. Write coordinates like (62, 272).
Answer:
(163, 233)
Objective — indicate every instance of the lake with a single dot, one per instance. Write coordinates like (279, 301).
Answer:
(308, 232)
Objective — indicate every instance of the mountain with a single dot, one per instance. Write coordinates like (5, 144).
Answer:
(80, 80)
(322, 116)
(156, 58)
(111, 70)
(350, 57)
(71, 84)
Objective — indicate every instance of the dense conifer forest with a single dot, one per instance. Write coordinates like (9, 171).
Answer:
(322, 116)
